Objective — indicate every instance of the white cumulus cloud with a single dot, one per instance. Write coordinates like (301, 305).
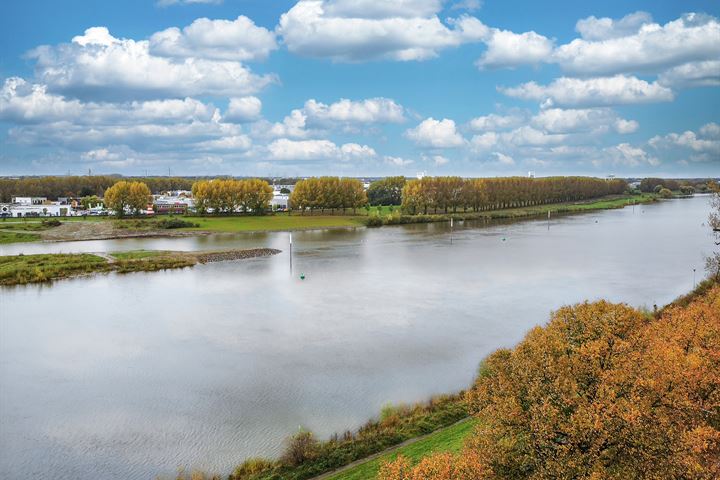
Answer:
(238, 39)
(509, 49)
(243, 109)
(286, 149)
(433, 133)
(363, 30)
(98, 65)
(601, 91)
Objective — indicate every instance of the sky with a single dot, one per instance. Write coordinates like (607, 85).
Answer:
(360, 87)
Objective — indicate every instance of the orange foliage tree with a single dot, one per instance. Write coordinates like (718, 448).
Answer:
(602, 392)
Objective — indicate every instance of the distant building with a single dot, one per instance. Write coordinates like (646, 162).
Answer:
(29, 200)
(279, 201)
(22, 210)
(178, 204)
(531, 174)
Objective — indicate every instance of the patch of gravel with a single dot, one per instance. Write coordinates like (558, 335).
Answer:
(235, 255)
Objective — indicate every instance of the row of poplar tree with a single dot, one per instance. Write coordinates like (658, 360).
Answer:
(454, 193)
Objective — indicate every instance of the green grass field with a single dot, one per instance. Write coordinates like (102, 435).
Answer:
(18, 237)
(449, 440)
(272, 222)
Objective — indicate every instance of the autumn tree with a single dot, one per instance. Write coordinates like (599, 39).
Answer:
(330, 193)
(453, 193)
(602, 392)
(127, 196)
(230, 196)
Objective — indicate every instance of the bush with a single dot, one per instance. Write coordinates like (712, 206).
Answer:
(250, 467)
(665, 193)
(658, 188)
(170, 223)
(687, 190)
(301, 447)
(374, 221)
(51, 222)
(305, 457)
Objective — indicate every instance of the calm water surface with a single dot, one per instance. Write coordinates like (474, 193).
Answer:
(131, 376)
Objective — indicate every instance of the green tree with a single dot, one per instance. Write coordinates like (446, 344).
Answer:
(387, 191)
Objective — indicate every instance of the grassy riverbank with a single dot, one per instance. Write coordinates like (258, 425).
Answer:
(24, 269)
(97, 228)
(305, 457)
(450, 440)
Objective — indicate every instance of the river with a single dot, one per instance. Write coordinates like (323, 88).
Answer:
(132, 376)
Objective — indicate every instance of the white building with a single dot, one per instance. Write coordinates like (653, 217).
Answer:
(29, 200)
(279, 201)
(23, 210)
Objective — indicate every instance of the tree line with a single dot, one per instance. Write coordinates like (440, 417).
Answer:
(328, 193)
(54, 187)
(453, 193)
(229, 196)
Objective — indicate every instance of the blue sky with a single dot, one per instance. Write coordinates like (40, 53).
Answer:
(360, 87)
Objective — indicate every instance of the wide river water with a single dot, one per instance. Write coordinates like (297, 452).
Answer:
(131, 376)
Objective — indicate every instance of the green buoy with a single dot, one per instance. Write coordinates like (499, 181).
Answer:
(503, 239)
(302, 276)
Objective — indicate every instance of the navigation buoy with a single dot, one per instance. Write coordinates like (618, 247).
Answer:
(503, 239)
(302, 276)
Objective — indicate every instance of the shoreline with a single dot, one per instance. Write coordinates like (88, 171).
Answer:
(105, 229)
(43, 268)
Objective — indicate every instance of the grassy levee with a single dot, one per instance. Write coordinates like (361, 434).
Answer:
(450, 439)
(305, 457)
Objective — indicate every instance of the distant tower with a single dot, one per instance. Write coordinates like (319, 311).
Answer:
(531, 174)
(420, 175)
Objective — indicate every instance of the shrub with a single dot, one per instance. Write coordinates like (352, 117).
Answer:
(250, 467)
(170, 223)
(301, 447)
(51, 222)
(665, 193)
(374, 221)
(658, 188)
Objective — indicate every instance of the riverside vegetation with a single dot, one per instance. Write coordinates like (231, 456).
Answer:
(24, 269)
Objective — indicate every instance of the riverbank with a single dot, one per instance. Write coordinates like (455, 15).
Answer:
(452, 440)
(106, 228)
(397, 428)
(605, 203)
(24, 269)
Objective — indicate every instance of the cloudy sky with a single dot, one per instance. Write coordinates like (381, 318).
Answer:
(360, 87)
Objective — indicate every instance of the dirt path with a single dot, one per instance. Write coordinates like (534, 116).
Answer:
(104, 230)
(106, 256)
(374, 456)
